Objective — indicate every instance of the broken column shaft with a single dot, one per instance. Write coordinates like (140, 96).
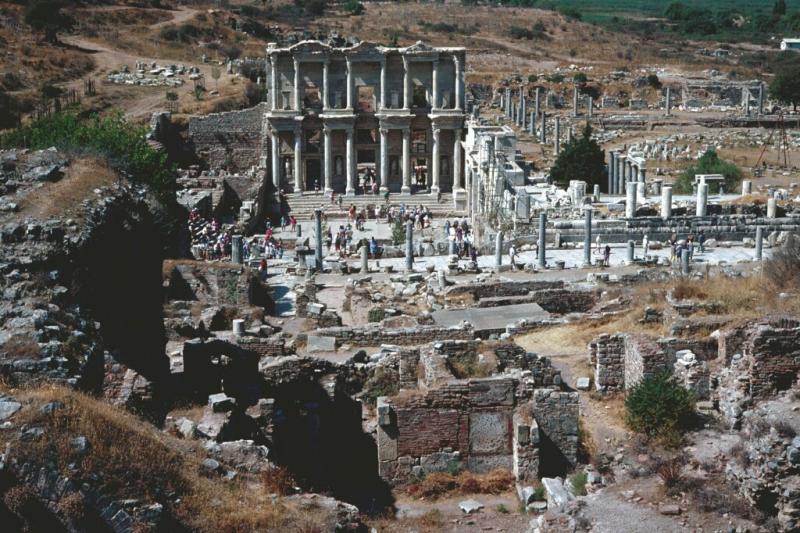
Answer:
(542, 239)
(587, 237)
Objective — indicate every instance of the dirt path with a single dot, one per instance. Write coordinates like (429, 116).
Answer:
(141, 101)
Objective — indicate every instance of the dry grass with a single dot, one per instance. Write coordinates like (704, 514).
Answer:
(21, 347)
(442, 484)
(64, 197)
(130, 459)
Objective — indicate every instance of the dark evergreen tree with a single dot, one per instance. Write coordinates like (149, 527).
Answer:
(581, 159)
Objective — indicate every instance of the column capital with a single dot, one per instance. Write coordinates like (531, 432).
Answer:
(384, 130)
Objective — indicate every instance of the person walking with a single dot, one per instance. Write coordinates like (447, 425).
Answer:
(607, 255)
(512, 255)
(701, 241)
(645, 245)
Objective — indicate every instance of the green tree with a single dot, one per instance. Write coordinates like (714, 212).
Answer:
(709, 163)
(659, 407)
(785, 86)
(581, 159)
(46, 16)
(779, 8)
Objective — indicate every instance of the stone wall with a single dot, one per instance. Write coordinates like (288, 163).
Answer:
(375, 335)
(556, 414)
(489, 289)
(607, 357)
(407, 368)
(643, 357)
(232, 140)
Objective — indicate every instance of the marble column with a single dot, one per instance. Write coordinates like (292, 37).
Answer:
(435, 163)
(747, 187)
(666, 202)
(350, 190)
(668, 103)
(349, 83)
(409, 246)
(611, 165)
(383, 178)
(297, 97)
(543, 130)
(298, 159)
(328, 162)
(542, 259)
(772, 207)
(630, 200)
(702, 199)
(383, 84)
(325, 94)
(591, 107)
(276, 160)
(746, 101)
(406, 189)
(459, 82)
(536, 102)
(498, 249)
(406, 83)
(435, 84)
(575, 101)
(587, 237)
(273, 61)
(458, 183)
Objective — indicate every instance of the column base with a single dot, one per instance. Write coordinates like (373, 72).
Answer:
(383, 190)
(460, 198)
(434, 189)
(298, 190)
(350, 192)
(328, 191)
(405, 189)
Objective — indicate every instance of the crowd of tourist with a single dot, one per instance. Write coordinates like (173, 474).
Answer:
(209, 239)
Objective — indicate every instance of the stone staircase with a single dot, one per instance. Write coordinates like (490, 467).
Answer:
(302, 205)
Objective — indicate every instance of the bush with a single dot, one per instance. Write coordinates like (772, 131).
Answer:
(375, 314)
(383, 382)
(354, 7)
(113, 137)
(578, 482)
(659, 407)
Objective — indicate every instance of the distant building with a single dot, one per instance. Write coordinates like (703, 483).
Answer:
(790, 44)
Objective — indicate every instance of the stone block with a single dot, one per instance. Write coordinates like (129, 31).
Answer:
(315, 308)
(470, 506)
(557, 494)
(489, 432)
(583, 383)
(221, 402)
(491, 392)
(317, 343)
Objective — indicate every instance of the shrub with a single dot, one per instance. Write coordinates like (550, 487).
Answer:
(375, 314)
(502, 509)
(578, 482)
(383, 382)
(354, 7)
(538, 493)
(709, 163)
(659, 407)
(114, 137)
(670, 473)
(398, 233)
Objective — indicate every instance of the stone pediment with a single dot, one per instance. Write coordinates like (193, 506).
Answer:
(310, 48)
(420, 49)
(365, 51)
